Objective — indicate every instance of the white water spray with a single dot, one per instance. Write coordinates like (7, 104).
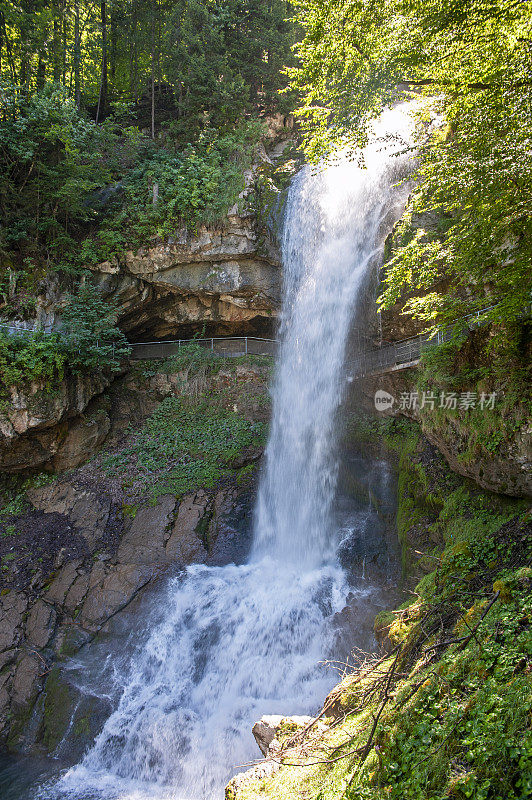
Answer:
(237, 642)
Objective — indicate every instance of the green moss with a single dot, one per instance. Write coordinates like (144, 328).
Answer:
(82, 726)
(129, 511)
(57, 711)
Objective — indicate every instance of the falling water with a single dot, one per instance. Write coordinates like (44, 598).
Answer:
(236, 642)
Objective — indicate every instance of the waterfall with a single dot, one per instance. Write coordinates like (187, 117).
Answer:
(332, 234)
(229, 644)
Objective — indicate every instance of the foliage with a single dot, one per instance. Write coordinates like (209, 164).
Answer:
(225, 56)
(195, 185)
(89, 342)
(35, 357)
(475, 167)
(51, 159)
(214, 59)
(185, 445)
(448, 713)
(91, 339)
(65, 179)
(13, 490)
(476, 364)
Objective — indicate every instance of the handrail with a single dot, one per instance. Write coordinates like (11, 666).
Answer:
(221, 345)
(407, 352)
(205, 339)
(395, 355)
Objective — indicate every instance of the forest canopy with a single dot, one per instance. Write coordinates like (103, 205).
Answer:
(473, 59)
(122, 120)
(198, 61)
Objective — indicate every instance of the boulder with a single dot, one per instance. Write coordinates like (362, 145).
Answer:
(266, 730)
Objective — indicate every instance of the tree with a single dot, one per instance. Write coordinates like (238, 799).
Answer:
(102, 97)
(472, 59)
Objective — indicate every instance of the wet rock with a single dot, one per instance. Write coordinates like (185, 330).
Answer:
(185, 545)
(7, 657)
(25, 681)
(5, 698)
(12, 609)
(111, 592)
(268, 728)
(40, 624)
(145, 541)
(265, 731)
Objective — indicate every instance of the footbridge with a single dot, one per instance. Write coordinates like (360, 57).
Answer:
(370, 359)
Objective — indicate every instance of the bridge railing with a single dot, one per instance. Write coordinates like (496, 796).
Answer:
(407, 352)
(220, 345)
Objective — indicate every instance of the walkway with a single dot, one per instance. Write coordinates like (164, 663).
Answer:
(222, 346)
(373, 360)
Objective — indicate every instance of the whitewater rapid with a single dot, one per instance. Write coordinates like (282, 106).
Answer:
(229, 644)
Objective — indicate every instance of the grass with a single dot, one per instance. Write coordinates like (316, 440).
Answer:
(185, 445)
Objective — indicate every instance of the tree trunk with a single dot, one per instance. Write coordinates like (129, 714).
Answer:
(9, 52)
(114, 41)
(154, 6)
(77, 55)
(56, 41)
(102, 98)
(133, 61)
(41, 71)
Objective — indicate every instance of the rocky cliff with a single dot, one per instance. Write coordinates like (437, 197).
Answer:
(53, 428)
(226, 281)
(77, 549)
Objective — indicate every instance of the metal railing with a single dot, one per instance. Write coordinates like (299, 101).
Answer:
(407, 352)
(220, 345)
(368, 361)
(13, 329)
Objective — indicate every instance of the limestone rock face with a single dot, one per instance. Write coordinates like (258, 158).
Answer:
(506, 469)
(226, 279)
(102, 563)
(39, 427)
